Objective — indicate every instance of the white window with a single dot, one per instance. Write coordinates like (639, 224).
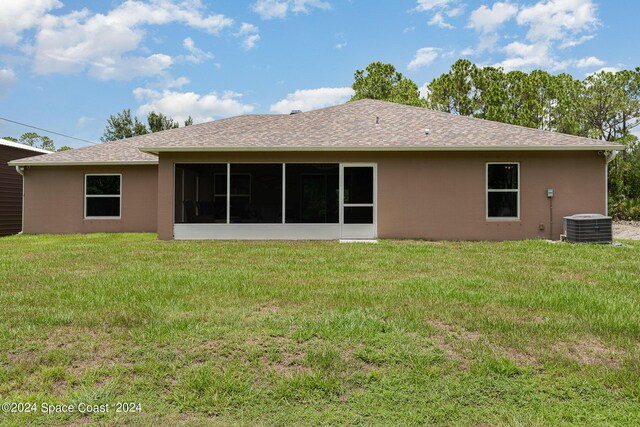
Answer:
(503, 190)
(102, 196)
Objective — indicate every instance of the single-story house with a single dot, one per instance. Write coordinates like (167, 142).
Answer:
(11, 185)
(365, 169)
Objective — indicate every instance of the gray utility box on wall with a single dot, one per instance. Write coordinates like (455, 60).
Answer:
(588, 228)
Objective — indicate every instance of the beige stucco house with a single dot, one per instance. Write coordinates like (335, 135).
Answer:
(365, 169)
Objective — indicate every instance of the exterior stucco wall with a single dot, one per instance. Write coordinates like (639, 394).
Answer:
(442, 195)
(54, 200)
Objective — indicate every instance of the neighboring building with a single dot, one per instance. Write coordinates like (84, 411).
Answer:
(364, 169)
(11, 185)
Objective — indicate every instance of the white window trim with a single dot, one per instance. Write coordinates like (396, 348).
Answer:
(119, 196)
(487, 190)
(374, 205)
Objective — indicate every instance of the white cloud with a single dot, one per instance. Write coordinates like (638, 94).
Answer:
(571, 42)
(305, 6)
(423, 57)
(438, 20)
(83, 120)
(310, 99)
(468, 51)
(591, 61)
(340, 46)
(249, 34)
(175, 83)
(196, 55)
(278, 9)
(487, 20)
(128, 68)
(605, 70)
(181, 105)
(424, 90)
(456, 11)
(427, 5)
(555, 19)
(106, 45)
(7, 79)
(20, 15)
(552, 25)
(527, 56)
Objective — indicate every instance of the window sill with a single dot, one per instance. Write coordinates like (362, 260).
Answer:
(102, 218)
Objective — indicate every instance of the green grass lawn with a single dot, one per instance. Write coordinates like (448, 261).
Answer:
(312, 333)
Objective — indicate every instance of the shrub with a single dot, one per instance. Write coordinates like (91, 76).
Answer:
(625, 209)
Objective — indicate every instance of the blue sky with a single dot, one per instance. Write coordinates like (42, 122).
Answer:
(67, 65)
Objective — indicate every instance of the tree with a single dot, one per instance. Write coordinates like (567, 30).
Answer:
(456, 92)
(159, 122)
(35, 140)
(122, 126)
(382, 81)
(611, 103)
(10, 138)
(64, 148)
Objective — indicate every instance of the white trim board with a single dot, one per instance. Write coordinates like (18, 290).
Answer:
(7, 143)
(472, 148)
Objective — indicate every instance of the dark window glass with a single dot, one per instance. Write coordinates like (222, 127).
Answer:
(103, 185)
(358, 215)
(502, 176)
(103, 206)
(256, 193)
(312, 193)
(503, 204)
(200, 193)
(358, 185)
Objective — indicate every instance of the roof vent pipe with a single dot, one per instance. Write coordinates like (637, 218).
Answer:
(295, 112)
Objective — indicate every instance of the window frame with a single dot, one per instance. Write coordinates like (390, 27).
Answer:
(374, 203)
(487, 190)
(119, 196)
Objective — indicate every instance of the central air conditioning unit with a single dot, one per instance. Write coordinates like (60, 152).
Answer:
(587, 228)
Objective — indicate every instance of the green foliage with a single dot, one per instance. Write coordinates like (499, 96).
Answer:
(382, 81)
(159, 122)
(10, 138)
(611, 103)
(626, 209)
(34, 140)
(124, 125)
(64, 148)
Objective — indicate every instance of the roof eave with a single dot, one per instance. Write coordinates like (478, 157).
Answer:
(84, 163)
(600, 147)
(19, 146)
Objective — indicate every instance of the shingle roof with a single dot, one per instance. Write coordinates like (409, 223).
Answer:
(359, 125)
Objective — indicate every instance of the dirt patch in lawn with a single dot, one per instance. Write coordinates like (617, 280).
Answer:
(590, 351)
(447, 337)
(457, 332)
(88, 348)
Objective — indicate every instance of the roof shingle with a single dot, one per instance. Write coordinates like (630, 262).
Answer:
(359, 125)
